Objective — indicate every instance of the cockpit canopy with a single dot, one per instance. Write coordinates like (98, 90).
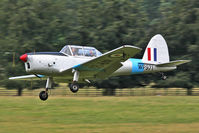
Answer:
(74, 50)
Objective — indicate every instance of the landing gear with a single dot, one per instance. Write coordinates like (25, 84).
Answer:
(74, 87)
(43, 95)
(163, 77)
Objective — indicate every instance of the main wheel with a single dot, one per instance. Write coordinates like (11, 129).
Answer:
(43, 95)
(74, 87)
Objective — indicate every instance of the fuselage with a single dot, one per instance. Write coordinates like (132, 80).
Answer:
(52, 63)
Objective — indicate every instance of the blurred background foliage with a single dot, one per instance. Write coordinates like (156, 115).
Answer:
(35, 25)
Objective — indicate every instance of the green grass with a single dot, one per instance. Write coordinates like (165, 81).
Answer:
(99, 114)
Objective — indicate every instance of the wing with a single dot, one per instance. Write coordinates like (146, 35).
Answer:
(173, 63)
(104, 65)
(29, 77)
(41, 77)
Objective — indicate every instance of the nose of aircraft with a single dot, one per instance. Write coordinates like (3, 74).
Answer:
(24, 57)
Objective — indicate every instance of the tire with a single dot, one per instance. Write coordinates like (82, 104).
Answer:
(43, 95)
(74, 87)
(164, 77)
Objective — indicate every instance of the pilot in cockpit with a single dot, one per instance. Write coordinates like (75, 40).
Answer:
(91, 53)
(75, 51)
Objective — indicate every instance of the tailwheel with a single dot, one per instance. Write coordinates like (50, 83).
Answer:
(74, 87)
(163, 77)
(43, 95)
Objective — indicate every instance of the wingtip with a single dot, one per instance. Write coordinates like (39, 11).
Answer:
(11, 78)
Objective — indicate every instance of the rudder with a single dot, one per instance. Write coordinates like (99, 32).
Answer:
(156, 51)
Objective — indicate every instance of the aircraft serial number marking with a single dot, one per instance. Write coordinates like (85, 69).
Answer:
(146, 67)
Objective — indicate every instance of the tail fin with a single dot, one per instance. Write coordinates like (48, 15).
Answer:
(156, 51)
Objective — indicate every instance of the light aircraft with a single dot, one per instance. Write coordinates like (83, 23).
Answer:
(77, 64)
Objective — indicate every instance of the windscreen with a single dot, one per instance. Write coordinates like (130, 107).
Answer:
(66, 50)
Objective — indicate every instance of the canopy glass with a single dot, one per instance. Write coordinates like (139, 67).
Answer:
(74, 50)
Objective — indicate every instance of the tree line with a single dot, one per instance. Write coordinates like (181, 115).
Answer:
(34, 25)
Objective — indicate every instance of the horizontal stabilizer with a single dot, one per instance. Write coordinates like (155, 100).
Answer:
(28, 77)
(173, 63)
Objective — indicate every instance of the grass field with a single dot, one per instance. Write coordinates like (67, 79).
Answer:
(158, 114)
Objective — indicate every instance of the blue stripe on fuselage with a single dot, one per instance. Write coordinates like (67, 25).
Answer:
(137, 65)
(77, 66)
(40, 76)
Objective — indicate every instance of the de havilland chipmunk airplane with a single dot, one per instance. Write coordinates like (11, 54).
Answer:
(77, 64)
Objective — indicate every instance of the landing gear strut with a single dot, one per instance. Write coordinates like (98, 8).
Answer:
(163, 77)
(43, 95)
(74, 87)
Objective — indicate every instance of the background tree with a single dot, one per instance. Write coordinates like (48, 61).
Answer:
(33, 25)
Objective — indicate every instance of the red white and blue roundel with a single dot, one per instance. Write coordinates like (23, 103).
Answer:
(149, 51)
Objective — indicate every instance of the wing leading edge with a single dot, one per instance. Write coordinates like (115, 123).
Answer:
(28, 77)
